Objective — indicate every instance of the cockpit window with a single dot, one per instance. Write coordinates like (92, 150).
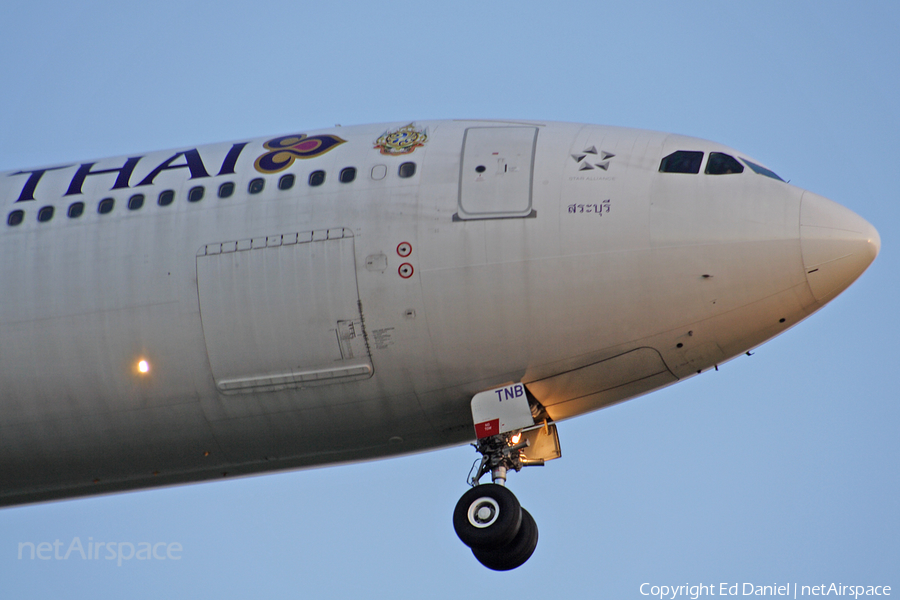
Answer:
(682, 161)
(761, 170)
(722, 164)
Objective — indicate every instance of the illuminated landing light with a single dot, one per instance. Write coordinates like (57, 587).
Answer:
(143, 366)
(516, 438)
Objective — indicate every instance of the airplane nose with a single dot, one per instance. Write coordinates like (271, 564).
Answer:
(837, 245)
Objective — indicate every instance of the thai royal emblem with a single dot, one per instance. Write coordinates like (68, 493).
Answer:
(401, 141)
(283, 151)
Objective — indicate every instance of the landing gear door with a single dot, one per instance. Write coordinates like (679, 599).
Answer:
(495, 177)
(501, 410)
(543, 444)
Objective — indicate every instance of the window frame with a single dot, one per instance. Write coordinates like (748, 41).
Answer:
(314, 180)
(194, 191)
(110, 202)
(761, 170)
(169, 195)
(710, 159)
(43, 210)
(226, 186)
(286, 181)
(347, 175)
(256, 186)
(72, 209)
(136, 199)
(15, 218)
(664, 162)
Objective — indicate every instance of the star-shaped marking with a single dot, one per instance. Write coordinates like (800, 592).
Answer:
(585, 163)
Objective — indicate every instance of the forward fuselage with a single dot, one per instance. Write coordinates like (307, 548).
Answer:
(342, 294)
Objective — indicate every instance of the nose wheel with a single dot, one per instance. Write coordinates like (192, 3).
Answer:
(516, 552)
(488, 518)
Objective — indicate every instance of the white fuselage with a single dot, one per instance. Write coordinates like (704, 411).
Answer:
(283, 328)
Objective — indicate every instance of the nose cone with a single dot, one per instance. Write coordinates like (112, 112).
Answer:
(837, 245)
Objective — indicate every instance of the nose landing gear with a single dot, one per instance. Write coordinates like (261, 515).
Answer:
(488, 518)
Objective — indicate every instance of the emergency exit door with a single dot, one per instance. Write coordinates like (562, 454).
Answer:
(495, 179)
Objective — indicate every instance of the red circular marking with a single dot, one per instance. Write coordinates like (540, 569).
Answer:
(404, 249)
(405, 270)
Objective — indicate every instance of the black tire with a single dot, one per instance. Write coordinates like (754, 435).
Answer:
(514, 554)
(502, 517)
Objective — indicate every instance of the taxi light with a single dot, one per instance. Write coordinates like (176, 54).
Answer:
(516, 438)
(143, 366)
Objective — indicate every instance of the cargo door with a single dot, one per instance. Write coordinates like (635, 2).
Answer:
(282, 311)
(496, 172)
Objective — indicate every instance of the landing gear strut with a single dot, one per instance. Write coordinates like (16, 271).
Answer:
(488, 518)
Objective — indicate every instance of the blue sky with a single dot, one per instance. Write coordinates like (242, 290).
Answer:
(780, 467)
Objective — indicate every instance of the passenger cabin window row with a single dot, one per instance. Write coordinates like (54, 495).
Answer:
(719, 163)
(196, 193)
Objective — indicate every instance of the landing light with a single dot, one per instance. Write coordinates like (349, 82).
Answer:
(143, 366)
(516, 438)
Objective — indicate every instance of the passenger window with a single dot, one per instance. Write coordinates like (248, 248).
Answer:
(256, 185)
(135, 202)
(682, 161)
(196, 194)
(347, 175)
(166, 198)
(226, 190)
(722, 164)
(106, 205)
(316, 178)
(76, 209)
(15, 218)
(407, 169)
(45, 214)
(286, 182)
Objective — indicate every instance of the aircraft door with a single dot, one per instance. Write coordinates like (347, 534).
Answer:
(282, 311)
(495, 179)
